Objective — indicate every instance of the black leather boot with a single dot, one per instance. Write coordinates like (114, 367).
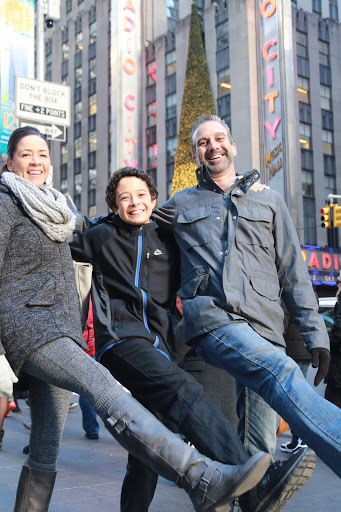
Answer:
(279, 484)
(34, 490)
(1, 437)
(209, 484)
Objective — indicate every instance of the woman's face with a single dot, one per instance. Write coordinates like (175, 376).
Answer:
(133, 200)
(31, 160)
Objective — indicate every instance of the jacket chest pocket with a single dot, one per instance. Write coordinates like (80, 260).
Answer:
(194, 227)
(254, 226)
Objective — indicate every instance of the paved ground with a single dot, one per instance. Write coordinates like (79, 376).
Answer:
(90, 475)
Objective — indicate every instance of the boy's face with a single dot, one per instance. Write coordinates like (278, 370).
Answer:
(133, 200)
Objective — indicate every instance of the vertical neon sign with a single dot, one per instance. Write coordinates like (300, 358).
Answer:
(129, 84)
(272, 96)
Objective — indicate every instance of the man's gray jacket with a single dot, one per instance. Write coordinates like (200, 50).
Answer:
(239, 255)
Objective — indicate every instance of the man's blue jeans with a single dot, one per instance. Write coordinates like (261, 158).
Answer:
(258, 422)
(260, 366)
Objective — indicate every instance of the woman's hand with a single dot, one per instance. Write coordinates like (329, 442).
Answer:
(7, 377)
(258, 187)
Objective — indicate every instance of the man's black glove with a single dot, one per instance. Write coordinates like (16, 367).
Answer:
(320, 360)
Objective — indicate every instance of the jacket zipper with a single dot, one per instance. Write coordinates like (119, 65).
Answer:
(143, 293)
(137, 284)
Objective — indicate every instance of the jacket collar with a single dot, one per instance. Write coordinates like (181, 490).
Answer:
(131, 228)
(242, 182)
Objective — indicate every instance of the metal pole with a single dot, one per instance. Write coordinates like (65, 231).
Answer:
(40, 49)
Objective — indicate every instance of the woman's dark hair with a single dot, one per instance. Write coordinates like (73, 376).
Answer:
(110, 195)
(16, 137)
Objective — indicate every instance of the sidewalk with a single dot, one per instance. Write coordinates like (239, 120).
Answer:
(90, 474)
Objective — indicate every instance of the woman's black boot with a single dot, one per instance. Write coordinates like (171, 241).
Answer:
(34, 490)
(209, 484)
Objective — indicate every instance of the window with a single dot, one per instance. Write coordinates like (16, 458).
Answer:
(333, 10)
(78, 77)
(151, 114)
(329, 185)
(79, 42)
(317, 6)
(171, 105)
(64, 153)
(170, 63)
(92, 211)
(224, 82)
(63, 186)
(327, 142)
(325, 95)
(92, 178)
(171, 144)
(151, 156)
(324, 53)
(92, 32)
(305, 136)
(307, 183)
(65, 51)
(151, 74)
(303, 89)
(92, 69)
(301, 44)
(78, 147)
(222, 34)
(77, 184)
(92, 105)
(309, 218)
(78, 112)
(92, 141)
(173, 9)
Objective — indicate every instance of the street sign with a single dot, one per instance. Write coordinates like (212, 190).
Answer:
(51, 132)
(44, 102)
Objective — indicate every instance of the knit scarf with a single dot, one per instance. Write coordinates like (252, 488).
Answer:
(45, 205)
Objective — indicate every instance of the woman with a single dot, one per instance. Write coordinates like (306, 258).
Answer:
(40, 330)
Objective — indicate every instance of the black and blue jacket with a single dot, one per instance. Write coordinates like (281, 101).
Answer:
(134, 283)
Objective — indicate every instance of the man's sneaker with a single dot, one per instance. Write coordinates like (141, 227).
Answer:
(72, 406)
(282, 480)
(293, 446)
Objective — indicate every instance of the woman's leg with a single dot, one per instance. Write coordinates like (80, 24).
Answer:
(62, 363)
(49, 406)
(3, 411)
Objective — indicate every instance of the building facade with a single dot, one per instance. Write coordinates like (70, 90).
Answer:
(275, 71)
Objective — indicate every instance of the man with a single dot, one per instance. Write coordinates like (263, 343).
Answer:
(239, 254)
(134, 285)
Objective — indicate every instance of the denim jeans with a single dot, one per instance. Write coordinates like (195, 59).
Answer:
(258, 422)
(89, 421)
(260, 366)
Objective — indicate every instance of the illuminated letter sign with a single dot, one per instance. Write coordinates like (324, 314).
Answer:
(272, 104)
(126, 83)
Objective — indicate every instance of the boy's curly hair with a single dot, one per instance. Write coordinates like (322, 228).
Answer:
(110, 196)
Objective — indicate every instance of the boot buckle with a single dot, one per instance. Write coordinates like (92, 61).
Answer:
(118, 421)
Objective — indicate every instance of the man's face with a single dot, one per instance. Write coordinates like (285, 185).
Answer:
(213, 147)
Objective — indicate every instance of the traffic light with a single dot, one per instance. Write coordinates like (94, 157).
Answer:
(325, 217)
(337, 216)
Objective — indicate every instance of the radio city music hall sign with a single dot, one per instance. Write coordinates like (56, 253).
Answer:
(322, 261)
(130, 83)
(271, 87)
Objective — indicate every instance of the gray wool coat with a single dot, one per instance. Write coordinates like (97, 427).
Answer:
(38, 296)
